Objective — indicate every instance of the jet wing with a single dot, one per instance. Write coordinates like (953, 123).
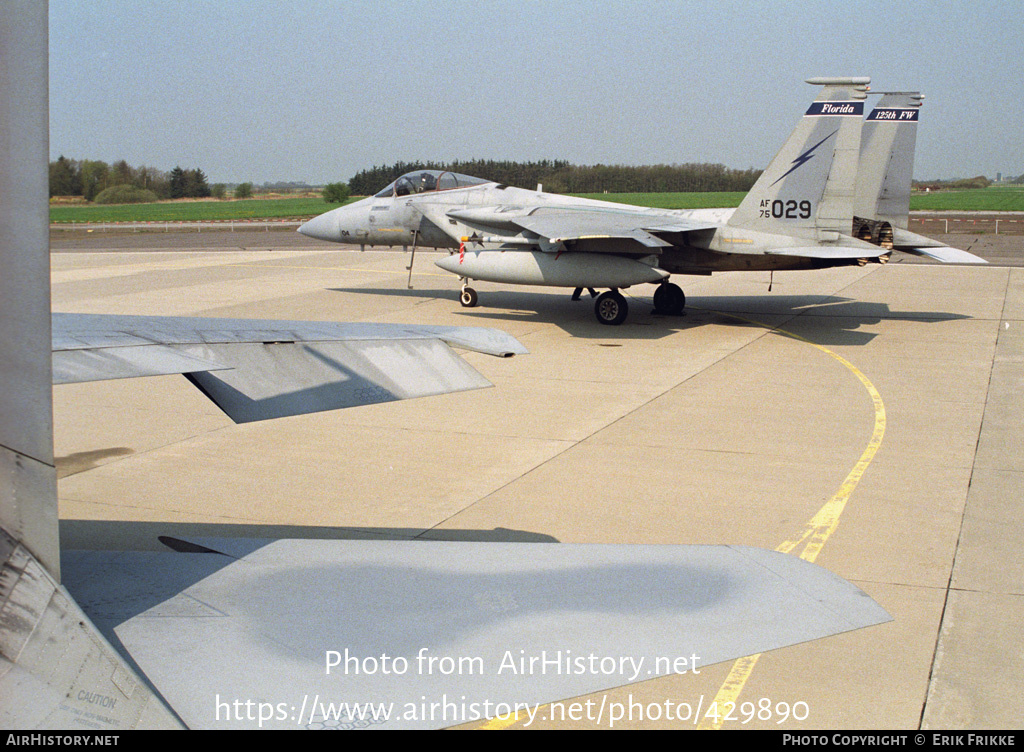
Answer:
(256, 370)
(559, 224)
(419, 634)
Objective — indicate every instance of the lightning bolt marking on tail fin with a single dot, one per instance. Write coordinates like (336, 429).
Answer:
(807, 155)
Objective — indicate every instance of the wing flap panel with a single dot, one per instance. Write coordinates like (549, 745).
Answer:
(277, 380)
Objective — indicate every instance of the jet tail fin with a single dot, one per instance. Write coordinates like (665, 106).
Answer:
(809, 186)
(886, 168)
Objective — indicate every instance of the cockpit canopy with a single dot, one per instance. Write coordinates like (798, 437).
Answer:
(422, 181)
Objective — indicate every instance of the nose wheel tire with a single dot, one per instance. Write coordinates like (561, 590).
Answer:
(669, 299)
(468, 297)
(611, 308)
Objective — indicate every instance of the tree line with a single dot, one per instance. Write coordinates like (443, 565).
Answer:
(959, 184)
(91, 178)
(559, 176)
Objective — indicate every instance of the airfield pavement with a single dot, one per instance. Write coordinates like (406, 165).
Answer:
(891, 396)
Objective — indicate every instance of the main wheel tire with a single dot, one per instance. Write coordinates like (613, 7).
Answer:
(669, 299)
(469, 298)
(611, 308)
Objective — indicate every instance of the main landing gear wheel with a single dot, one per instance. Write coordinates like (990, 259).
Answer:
(669, 299)
(611, 308)
(469, 298)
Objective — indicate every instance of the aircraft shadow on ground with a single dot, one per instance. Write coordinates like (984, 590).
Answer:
(123, 536)
(824, 319)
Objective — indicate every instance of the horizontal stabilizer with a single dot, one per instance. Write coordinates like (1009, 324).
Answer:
(919, 245)
(907, 239)
(455, 622)
(946, 255)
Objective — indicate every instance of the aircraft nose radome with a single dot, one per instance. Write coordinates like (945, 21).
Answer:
(323, 227)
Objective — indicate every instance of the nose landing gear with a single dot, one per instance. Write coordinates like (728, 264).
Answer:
(468, 297)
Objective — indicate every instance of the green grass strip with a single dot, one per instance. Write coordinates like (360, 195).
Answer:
(994, 199)
(193, 211)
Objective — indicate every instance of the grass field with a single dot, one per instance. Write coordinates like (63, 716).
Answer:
(1009, 198)
(992, 199)
(193, 211)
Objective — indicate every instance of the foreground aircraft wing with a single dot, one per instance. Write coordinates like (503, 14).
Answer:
(256, 370)
(433, 634)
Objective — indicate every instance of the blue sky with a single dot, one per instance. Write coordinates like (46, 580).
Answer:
(316, 91)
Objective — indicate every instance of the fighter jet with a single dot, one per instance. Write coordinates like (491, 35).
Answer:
(799, 215)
